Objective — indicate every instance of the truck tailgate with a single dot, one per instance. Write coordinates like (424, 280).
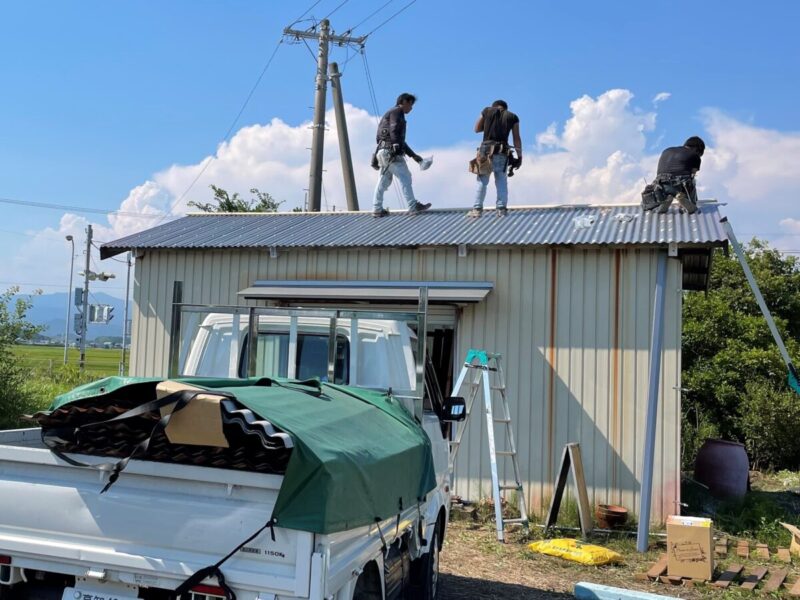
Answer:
(157, 525)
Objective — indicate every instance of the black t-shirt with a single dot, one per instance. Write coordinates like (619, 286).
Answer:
(678, 160)
(497, 124)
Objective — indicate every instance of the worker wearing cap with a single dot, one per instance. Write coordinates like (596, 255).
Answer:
(496, 122)
(675, 179)
(390, 157)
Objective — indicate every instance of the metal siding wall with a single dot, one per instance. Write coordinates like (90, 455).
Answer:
(577, 373)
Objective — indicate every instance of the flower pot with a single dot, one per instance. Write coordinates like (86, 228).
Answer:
(610, 516)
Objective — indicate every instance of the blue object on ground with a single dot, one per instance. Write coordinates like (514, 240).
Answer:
(595, 591)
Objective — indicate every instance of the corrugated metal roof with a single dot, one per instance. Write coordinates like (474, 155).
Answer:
(523, 226)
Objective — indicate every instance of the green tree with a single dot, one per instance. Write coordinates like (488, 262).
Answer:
(223, 202)
(731, 365)
(14, 326)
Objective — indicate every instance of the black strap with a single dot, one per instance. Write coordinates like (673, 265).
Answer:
(215, 571)
(53, 437)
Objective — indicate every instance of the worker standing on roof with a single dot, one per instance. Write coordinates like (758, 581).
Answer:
(495, 155)
(675, 179)
(390, 157)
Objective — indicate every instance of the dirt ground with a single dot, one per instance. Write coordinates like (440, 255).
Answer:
(475, 566)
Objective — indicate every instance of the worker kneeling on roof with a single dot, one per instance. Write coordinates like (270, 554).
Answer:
(675, 179)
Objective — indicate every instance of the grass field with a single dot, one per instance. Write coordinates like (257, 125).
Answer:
(100, 362)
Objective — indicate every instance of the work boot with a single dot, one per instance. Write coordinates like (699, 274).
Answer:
(686, 203)
(501, 211)
(419, 207)
(380, 213)
(475, 213)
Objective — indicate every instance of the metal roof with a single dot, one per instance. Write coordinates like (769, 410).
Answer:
(618, 225)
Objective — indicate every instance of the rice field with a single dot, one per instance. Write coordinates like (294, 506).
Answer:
(100, 362)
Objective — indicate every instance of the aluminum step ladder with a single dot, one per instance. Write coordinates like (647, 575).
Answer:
(482, 365)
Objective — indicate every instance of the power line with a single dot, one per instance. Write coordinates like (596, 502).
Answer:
(83, 209)
(308, 10)
(372, 14)
(211, 159)
(58, 285)
(390, 18)
(335, 9)
(374, 99)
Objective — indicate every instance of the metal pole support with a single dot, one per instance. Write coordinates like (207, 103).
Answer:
(656, 344)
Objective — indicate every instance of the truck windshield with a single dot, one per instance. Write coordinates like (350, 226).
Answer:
(272, 357)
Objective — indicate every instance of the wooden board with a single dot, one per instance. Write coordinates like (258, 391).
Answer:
(659, 568)
(784, 555)
(751, 581)
(721, 550)
(743, 549)
(762, 551)
(571, 461)
(795, 591)
(728, 576)
(775, 580)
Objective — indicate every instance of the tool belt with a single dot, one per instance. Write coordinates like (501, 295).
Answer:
(482, 163)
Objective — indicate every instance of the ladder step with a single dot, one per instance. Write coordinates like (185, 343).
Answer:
(525, 521)
(510, 487)
(504, 453)
(502, 420)
(500, 388)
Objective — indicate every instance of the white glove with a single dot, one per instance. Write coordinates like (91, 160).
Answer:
(425, 163)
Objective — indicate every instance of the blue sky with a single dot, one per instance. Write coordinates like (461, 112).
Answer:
(99, 98)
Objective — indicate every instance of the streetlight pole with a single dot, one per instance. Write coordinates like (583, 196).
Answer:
(85, 320)
(69, 296)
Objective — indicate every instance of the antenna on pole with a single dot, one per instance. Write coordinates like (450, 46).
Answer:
(325, 38)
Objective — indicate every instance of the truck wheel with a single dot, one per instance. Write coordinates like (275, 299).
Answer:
(425, 571)
(368, 584)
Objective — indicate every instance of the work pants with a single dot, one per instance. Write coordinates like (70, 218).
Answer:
(393, 166)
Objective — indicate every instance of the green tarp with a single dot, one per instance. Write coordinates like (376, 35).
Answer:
(358, 455)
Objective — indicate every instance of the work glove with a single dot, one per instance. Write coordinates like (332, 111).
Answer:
(395, 149)
(374, 162)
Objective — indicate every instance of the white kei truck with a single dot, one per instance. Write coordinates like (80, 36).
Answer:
(185, 522)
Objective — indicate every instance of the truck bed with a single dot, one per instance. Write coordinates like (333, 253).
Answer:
(53, 518)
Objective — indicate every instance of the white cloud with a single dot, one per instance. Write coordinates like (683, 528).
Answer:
(600, 154)
(791, 225)
(661, 97)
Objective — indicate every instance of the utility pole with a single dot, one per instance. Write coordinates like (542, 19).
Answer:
(325, 38)
(85, 319)
(344, 139)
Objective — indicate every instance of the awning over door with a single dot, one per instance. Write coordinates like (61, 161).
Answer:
(455, 292)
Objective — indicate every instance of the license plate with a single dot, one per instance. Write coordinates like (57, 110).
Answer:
(87, 594)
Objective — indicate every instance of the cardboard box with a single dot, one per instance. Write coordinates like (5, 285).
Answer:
(690, 547)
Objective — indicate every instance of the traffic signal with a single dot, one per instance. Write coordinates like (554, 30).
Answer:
(78, 323)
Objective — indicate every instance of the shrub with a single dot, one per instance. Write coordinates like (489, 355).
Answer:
(770, 422)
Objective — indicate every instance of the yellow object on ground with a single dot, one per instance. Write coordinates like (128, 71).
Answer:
(576, 551)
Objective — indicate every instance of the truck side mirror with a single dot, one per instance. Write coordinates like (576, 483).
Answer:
(455, 409)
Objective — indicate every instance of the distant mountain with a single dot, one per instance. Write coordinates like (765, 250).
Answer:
(50, 311)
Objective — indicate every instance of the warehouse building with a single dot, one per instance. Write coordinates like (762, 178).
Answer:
(565, 293)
